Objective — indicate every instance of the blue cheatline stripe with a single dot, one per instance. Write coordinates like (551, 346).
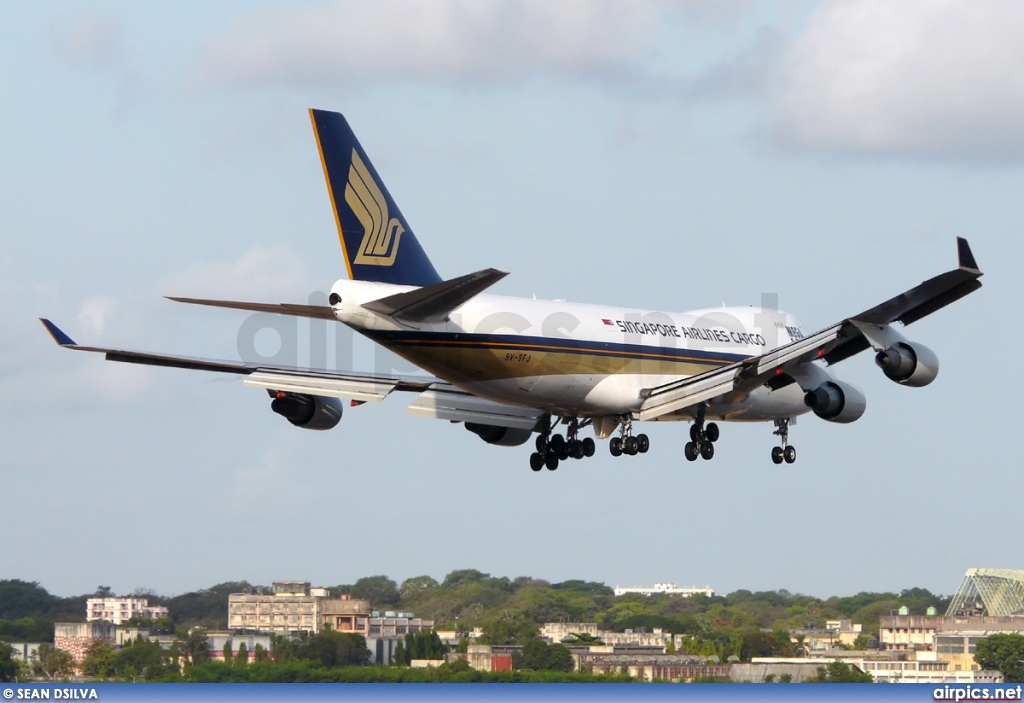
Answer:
(552, 344)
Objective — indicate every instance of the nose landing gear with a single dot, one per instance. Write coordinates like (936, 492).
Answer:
(786, 452)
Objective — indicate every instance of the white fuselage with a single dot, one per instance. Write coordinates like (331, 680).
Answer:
(577, 359)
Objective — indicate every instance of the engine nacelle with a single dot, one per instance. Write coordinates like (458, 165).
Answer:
(836, 401)
(310, 412)
(910, 364)
(497, 434)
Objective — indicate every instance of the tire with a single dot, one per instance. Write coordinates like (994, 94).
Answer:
(711, 432)
(643, 443)
(693, 432)
(557, 442)
(690, 451)
(777, 455)
(536, 461)
(542, 444)
(789, 454)
(589, 447)
(615, 446)
(629, 446)
(707, 451)
(551, 461)
(576, 449)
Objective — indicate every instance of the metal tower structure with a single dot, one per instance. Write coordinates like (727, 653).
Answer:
(998, 592)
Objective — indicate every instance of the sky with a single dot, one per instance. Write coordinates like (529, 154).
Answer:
(661, 154)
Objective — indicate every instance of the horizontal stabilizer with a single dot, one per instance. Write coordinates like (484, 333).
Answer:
(433, 303)
(324, 312)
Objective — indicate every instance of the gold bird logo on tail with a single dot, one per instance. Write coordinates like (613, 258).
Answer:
(381, 233)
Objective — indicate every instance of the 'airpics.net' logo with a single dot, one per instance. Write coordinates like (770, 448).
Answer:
(380, 233)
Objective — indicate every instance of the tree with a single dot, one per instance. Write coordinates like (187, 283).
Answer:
(461, 576)
(52, 662)
(538, 655)
(242, 658)
(100, 660)
(192, 643)
(379, 590)
(1002, 652)
(261, 653)
(838, 672)
(8, 666)
(412, 587)
(228, 655)
(400, 659)
(507, 628)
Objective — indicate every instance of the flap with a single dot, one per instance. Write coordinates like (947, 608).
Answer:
(446, 403)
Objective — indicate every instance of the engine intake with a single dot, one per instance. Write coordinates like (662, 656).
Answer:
(310, 412)
(836, 401)
(499, 435)
(909, 364)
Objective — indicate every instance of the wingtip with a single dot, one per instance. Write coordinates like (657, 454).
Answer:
(58, 335)
(965, 255)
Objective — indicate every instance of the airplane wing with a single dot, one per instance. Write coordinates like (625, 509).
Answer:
(832, 344)
(438, 399)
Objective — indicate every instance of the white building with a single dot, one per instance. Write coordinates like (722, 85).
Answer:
(120, 610)
(666, 589)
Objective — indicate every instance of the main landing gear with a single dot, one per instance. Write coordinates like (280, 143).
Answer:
(786, 452)
(702, 439)
(552, 448)
(626, 443)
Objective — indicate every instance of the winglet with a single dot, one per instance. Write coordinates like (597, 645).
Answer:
(58, 336)
(965, 256)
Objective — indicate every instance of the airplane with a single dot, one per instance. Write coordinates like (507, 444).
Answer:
(510, 368)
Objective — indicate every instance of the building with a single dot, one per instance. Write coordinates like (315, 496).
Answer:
(994, 592)
(387, 629)
(25, 651)
(835, 632)
(665, 589)
(216, 640)
(75, 638)
(884, 667)
(120, 610)
(648, 666)
(295, 607)
(952, 638)
(560, 631)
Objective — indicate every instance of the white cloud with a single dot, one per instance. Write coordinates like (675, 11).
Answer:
(262, 274)
(448, 41)
(92, 40)
(94, 312)
(920, 78)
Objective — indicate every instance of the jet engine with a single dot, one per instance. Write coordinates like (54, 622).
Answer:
(310, 412)
(497, 434)
(910, 364)
(836, 401)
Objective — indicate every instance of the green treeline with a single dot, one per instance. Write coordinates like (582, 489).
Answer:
(509, 611)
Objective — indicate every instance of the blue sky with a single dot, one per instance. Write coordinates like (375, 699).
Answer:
(658, 154)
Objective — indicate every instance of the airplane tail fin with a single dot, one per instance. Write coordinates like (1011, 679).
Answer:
(375, 238)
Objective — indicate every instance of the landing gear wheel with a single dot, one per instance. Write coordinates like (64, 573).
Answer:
(542, 444)
(551, 461)
(615, 446)
(589, 447)
(575, 449)
(711, 432)
(694, 432)
(789, 454)
(557, 443)
(707, 451)
(690, 451)
(630, 446)
(536, 461)
(777, 455)
(642, 443)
